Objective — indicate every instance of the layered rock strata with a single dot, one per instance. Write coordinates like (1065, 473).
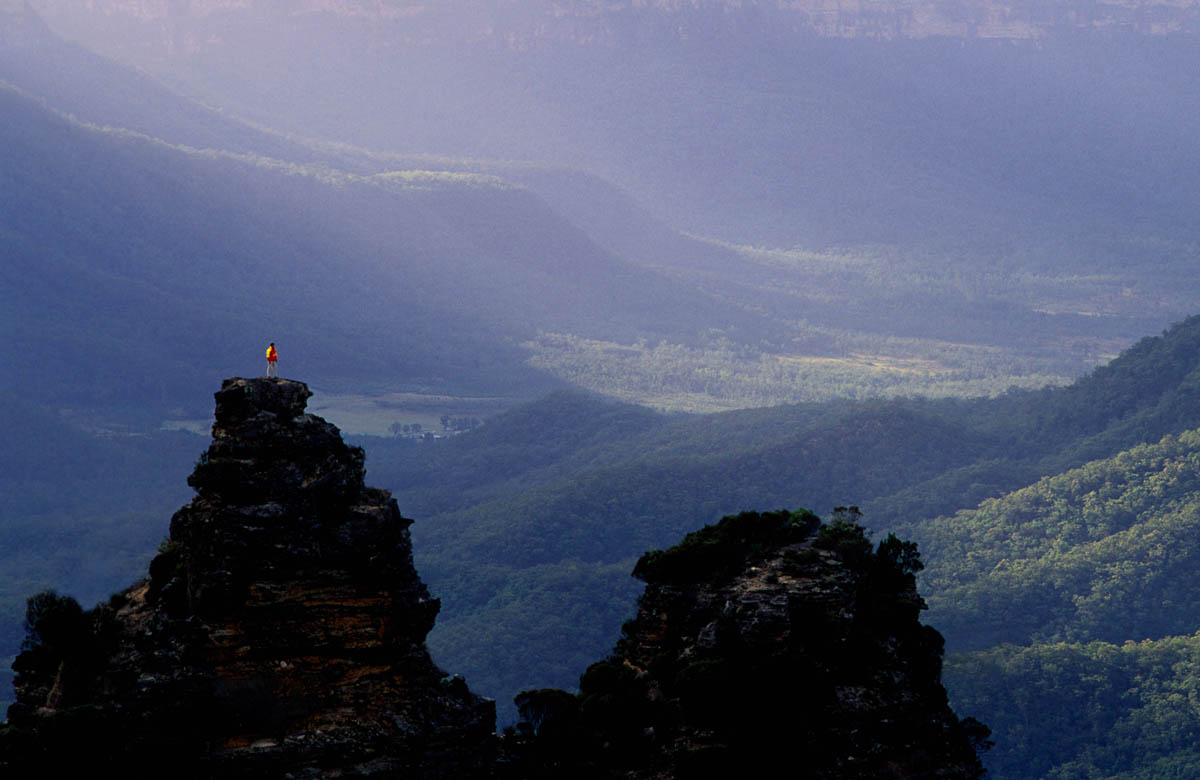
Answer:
(281, 632)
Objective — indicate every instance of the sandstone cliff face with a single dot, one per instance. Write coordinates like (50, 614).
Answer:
(764, 643)
(280, 633)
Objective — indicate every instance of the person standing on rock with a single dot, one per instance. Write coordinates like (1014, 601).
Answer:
(272, 361)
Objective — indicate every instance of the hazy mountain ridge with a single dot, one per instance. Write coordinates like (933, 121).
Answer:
(94, 90)
(728, 305)
(117, 234)
(742, 135)
(1062, 171)
(590, 22)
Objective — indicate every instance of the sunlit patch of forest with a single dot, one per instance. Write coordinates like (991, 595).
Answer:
(1099, 552)
(722, 375)
(1086, 711)
(1071, 602)
(875, 322)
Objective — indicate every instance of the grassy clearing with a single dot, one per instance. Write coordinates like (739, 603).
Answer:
(882, 364)
(374, 415)
(721, 376)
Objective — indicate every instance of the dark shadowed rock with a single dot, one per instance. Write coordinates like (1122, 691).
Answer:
(281, 632)
(763, 646)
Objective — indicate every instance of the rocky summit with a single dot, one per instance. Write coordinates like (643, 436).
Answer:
(280, 633)
(764, 644)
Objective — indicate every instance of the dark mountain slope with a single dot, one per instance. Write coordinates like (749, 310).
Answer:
(1144, 394)
(503, 527)
(595, 512)
(752, 123)
(415, 276)
(92, 89)
(62, 522)
(133, 270)
(1050, 324)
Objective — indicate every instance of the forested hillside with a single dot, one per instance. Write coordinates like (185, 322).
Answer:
(889, 250)
(1074, 601)
(541, 500)
(1094, 710)
(1101, 552)
(152, 243)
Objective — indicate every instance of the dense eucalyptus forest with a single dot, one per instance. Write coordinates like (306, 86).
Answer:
(909, 262)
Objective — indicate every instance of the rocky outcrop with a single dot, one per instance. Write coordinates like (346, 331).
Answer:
(281, 632)
(762, 643)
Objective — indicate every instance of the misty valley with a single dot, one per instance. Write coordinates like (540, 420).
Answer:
(586, 283)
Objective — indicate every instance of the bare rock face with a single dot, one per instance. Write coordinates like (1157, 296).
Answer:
(281, 632)
(764, 644)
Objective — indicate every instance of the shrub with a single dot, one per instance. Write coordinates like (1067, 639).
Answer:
(845, 536)
(54, 624)
(718, 551)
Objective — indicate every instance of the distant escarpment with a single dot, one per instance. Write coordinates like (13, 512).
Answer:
(488, 21)
(766, 641)
(281, 631)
